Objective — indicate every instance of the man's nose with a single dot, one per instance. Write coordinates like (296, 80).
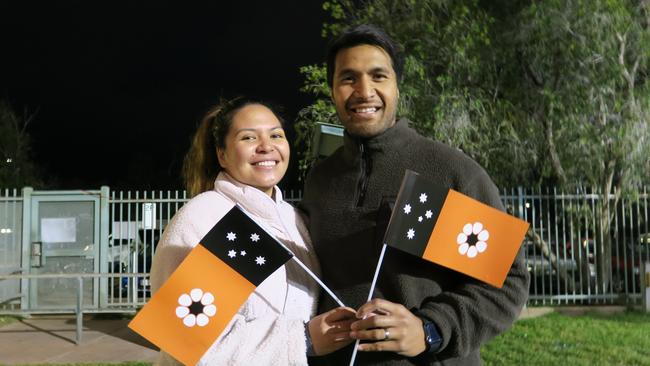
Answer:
(365, 88)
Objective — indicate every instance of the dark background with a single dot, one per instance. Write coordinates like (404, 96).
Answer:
(119, 88)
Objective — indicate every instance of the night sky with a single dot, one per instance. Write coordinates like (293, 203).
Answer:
(119, 87)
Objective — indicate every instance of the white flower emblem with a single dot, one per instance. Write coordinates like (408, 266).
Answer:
(196, 308)
(232, 253)
(231, 236)
(473, 239)
(260, 260)
(428, 214)
(423, 198)
(407, 209)
(255, 238)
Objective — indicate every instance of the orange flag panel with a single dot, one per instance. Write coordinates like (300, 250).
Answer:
(159, 323)
(446, 243)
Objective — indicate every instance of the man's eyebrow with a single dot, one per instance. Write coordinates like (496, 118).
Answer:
(374, 70)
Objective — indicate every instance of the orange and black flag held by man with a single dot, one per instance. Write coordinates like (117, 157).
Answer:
(448, 228)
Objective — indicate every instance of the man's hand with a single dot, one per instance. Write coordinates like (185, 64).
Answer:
(330, 331)
(392, 325)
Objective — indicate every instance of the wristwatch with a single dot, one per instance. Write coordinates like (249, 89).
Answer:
(432, 339)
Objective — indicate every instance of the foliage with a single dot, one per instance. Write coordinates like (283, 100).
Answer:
(16, 167)
(548, 92)
(557, 339)
(322, 110)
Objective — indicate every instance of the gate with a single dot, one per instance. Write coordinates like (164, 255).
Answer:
(61, 235)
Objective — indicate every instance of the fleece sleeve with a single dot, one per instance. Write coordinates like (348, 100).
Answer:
(471, 313)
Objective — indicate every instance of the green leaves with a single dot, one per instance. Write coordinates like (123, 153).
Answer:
(537, 92)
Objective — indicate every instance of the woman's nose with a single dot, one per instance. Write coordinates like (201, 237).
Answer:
(264, 145)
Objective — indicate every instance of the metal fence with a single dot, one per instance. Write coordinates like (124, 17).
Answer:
(11, 215)
(564, 248)
(575, 257)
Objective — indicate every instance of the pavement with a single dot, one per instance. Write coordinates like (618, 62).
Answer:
(51, 339)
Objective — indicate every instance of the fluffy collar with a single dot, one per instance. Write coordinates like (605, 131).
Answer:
(252, 199)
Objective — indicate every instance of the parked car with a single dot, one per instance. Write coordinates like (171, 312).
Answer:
(627, 263)
(574, 269)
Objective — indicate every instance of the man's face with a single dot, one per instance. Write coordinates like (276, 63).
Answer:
(364, 90)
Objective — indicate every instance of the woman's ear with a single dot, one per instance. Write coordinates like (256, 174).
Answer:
(221, 156)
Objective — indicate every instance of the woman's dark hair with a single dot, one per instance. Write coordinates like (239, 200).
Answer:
(361, 35)
(201, 166)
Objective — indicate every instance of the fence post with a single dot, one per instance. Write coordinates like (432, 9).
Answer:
(645, 285)
(80, 314)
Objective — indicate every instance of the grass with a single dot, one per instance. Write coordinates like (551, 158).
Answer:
(95, 364)
(553, 339)
(556, 339)
(4, 320)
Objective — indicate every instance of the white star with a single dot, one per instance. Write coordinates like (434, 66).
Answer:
(242, 253)
(423, 197)
(260, 260)
(407, 209)
(428, 214)
(420, 219)
(410, 234)
(232, 253)
(255, 238)
(231, 236)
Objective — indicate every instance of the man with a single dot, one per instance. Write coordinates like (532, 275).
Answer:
(422, 313)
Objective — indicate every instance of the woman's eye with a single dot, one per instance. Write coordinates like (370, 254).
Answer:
(248, 137)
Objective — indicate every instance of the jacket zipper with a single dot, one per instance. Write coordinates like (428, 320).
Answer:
(363, 178)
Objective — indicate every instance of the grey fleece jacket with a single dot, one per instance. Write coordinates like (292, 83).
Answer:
(347, 199)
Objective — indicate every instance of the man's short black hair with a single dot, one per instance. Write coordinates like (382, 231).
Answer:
(360, 35)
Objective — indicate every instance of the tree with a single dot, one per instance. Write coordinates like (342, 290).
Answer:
(450, 79)
(579, 77)
(16, 167)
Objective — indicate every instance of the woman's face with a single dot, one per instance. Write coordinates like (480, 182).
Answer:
(257, 151)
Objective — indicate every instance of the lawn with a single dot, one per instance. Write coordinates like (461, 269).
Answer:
(93, 364)
(556, 339)
(4, 320)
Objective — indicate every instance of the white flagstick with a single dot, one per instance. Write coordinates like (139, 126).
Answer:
(372, 290)
(300, 263)
(327, 289)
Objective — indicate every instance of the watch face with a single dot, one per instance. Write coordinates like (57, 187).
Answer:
(431, 334)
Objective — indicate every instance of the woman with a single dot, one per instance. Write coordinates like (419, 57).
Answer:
(238, 155)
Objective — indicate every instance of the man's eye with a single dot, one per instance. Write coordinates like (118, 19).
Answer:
(380, 77)
(248, 137)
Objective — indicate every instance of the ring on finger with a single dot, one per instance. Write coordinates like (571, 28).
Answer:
(386, 334)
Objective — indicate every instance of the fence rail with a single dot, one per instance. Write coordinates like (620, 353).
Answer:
(572, 255)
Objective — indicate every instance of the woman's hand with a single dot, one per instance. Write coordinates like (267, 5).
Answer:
(330, 331)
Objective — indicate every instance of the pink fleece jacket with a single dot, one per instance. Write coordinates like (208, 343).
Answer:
(269, 327)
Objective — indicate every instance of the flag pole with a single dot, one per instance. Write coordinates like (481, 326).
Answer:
(309, 272)
(372, 290)
(300, 263)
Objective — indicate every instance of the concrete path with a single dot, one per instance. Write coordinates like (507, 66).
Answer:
(51, 339)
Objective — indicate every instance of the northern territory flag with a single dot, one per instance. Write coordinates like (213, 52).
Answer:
(450, 229)
(189, 312)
